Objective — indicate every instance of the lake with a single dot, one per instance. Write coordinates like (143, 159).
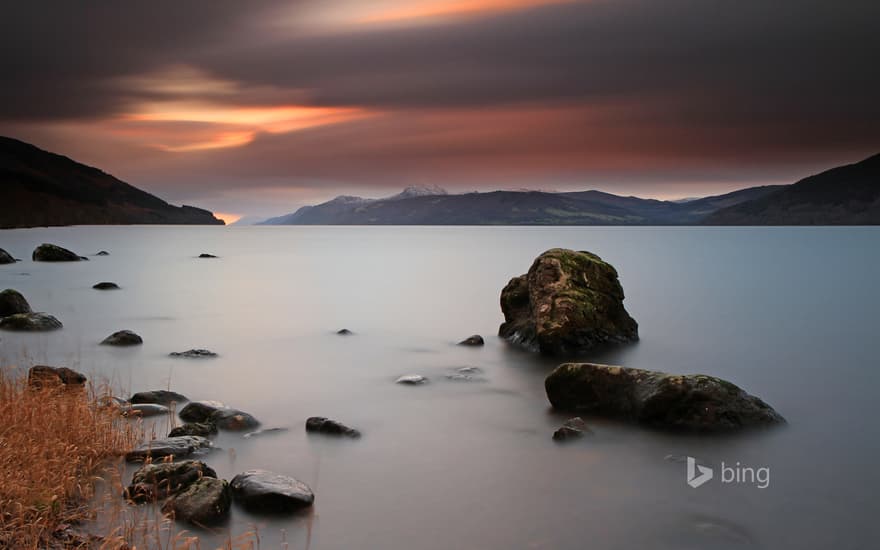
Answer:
(789, 314)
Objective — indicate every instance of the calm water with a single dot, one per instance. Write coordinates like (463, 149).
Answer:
(788, 314)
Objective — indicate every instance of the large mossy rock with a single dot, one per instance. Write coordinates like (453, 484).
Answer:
(30, 322)
(264, 491)
(201, 411)
(693, 402)
(568, 302)
(12, 302)
(205, 502)
(54, 253)
(6, 257)
(152, 482)
(176, 447)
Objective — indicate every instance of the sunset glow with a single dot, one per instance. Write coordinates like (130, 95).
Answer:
(433, 9)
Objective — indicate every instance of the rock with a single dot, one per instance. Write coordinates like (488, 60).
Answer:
(344, 332)
(105, 286)
(12, 302)
(475, 340)
(573, 428)
(468, 370)
(319, 424)
(204, 502)
(161, 397)
(203, 429)
(102, 253)
(206, 255)
(265, 431)
(6, 258)
(464, 377)
(144, 410)
(193, 353)
(30, 322)
(155, 481)
(53, 253)
(123, 338)
(568, 302)
(411, 379)
(112, 402)
(263, 491)
(170, 446)
(685, 402)
(200, 411)
(40, 376)
(233, 420)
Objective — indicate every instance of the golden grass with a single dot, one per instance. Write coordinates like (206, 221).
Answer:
(55, 443)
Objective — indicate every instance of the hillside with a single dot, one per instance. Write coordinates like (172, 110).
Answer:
(847, 195)
(40, 188)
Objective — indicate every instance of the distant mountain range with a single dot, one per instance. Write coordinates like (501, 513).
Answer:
(849, 195)
(40, 188)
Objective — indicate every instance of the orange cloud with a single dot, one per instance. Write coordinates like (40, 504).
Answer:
(433, 9)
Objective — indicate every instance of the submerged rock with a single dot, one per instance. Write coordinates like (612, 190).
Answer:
(319, 424)
(233, 420)
(200, 411)
(6, 258)
(265, 431)
(152, 482)
(53, 253)
(161, 397)
(475, 340)
(102, 253)
(203, 429)
(206, 255)
(684, 402)
(568, 302)
(40, 376)
(193, 353)
(145, 409)
(122, 338)
(12, 302)
(411, 379)
(106, 285)
(205, 502)
(170, 446)
(264, 491)
(32, 322)
(344, 332)
(573, 428)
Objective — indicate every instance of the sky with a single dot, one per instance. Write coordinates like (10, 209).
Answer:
(255, 108)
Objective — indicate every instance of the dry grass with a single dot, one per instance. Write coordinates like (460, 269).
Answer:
(55, 443)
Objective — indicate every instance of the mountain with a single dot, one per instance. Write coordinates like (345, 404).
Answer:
(847, 195)
(511, 208)
(40, 188)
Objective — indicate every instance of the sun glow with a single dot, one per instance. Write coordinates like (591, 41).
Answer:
(227, 218)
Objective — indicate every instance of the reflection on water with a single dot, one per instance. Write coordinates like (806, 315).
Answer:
(789, 314)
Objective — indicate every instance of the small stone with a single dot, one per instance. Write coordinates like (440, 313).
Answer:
(102, 253)
(123, 338)
(206, 255)
(572, 428)
(319, 424)
(344, 332)
(193, 353)
(105, 286)
(265, 431)
(411, 379)
(475, 340)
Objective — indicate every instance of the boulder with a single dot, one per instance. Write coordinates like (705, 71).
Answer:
(319, 424)
(694, 402)
(106, 285)
(193, 353)
(176, 447)
(203, 429)
(200, 411)
(573, 428)
(567, 303)
(6, 258)
(264, 491)
(206, 255)
(12, 302)
(40, 376)
(122, 338)
(155, 481)
(53, 253)
(144, 410)
(475, 340)
(411, 379)
(32, 322)
(160, 397)
(233, 420)
(205, 502)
